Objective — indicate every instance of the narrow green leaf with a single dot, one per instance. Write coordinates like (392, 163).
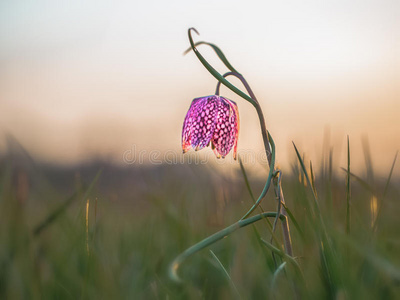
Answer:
(390, 175)
(312, 179)
(269, 225)
(54, 215)
(293, 219)
(325, 245)
(284, 256)
(218, 51)
(173, 269)
(246, 180)
(348, 189)
(385, 191)
(316, 205)
(361, 181)
(277, 272)
(228, 277)
(59, 210)
(215, 73)
(368, 160)
(268, 183)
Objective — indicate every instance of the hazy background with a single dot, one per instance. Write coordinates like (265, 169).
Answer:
(96, 79)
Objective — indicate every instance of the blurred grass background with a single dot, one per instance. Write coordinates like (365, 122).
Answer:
(98, 230)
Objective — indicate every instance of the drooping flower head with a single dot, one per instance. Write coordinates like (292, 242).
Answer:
(212, 119)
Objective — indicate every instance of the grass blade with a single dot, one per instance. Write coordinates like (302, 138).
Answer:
(268, 183)
(295, 223)
(368, 160)
(269, 225)
(173, 269)
(58, 211)
(348, 189)
(246, 180)
(278, 271)
(316, 205)
(284, 256)
(312, 179)
(361, 181)
(390, 175)
(228, 277)
(385, 191)
(327, 252)
(54, 215)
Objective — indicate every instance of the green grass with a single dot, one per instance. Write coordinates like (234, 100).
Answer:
(141, 218)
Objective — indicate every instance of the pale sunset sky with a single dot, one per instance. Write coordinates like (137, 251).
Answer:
(84, 79)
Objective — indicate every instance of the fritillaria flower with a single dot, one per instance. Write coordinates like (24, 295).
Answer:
(212, 119)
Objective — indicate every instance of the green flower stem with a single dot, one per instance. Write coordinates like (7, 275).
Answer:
(253, 100)
(278, 177)
(212, 239)
(256, 104)
(268, 144)
(285, 225)
(267, 184)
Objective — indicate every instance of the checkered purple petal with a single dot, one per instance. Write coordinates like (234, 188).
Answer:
(211, 119)
(199, 123)
(227, 128)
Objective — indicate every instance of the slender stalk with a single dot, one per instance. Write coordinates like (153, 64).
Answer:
(285, 226)
(278, 197)
(256, 105)
(267, 184)
(268, 144)
(348, 189)
(87, 226)
(384, 193)
(226, 275)
(269, 153)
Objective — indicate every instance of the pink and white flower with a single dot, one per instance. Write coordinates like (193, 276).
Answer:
(212, 119)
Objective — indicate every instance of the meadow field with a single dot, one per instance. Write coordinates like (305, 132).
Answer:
(101, 231)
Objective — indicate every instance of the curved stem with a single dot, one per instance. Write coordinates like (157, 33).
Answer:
(257, 106)
(278, 196)
(212, 239)
(267, 184)
(281, 208)
(214, 72)
(268, 143)
(270, 154)
(285, 224)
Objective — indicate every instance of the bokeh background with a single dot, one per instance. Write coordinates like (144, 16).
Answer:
(97, 199)
(91, 80)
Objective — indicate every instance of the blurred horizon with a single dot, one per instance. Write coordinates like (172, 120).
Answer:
(95, 80)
